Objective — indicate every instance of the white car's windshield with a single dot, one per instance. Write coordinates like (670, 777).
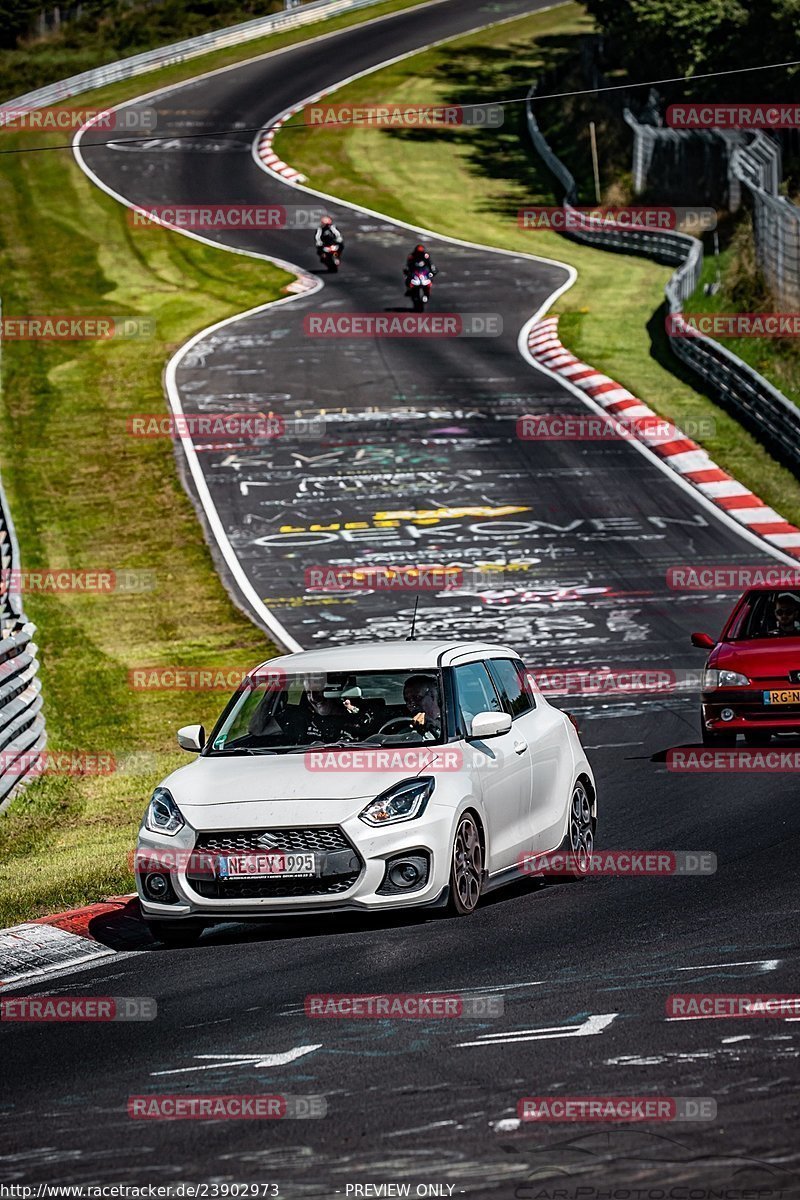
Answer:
(277, 712)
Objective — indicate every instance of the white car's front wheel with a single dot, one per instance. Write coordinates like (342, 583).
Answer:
(466, 872)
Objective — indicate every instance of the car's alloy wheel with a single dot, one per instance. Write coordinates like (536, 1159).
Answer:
(581, 831)
(466, 874)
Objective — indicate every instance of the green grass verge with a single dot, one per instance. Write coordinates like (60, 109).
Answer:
(85, 495)
(475, 183)
(742, 289)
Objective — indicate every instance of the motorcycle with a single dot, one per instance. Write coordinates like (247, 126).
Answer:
(419, 289)
(330, 257)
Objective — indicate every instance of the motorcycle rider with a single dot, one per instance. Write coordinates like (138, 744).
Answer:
(328, 235)
(418, 260)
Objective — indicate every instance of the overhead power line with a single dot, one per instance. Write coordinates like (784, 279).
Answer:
(300, 125)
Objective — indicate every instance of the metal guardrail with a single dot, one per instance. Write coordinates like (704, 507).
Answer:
(22, 731)
(166, 56)
(773, 418)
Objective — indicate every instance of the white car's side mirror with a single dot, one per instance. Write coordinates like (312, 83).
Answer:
(192, 737)
(489, 724)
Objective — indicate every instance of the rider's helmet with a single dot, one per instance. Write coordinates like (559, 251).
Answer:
(326, 221)
(420, 249)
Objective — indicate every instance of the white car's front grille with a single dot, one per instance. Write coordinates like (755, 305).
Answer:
(325, 838)
(338, 863)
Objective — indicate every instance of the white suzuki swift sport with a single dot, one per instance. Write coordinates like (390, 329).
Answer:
(373, 776)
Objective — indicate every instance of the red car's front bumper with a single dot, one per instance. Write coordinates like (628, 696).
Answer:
(751, 711)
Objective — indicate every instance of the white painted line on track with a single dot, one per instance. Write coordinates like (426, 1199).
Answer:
(244, 1060)
(592, 1025)
(766, 964)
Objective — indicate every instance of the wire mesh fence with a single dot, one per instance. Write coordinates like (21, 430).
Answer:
(761, 407)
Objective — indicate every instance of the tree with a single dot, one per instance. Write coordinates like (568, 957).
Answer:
(659, 39)
(16, 17)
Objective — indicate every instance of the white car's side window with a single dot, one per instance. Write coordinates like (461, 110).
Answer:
(509, 676)
(475, 691)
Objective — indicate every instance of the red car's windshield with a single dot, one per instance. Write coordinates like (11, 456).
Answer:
(766, 614)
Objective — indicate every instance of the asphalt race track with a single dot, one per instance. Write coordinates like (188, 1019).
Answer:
(419, 462)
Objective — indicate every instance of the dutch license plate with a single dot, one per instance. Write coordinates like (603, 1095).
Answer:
(783, 696)
(249, 866)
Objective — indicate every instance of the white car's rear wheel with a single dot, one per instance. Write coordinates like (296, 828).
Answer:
(581, 830)
(466, 872)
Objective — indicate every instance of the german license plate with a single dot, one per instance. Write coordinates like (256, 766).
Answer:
(783, 696)
(258, 866)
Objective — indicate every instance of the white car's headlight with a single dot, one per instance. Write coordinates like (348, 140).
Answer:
(403, 802)
(723, 679)
(163, 814)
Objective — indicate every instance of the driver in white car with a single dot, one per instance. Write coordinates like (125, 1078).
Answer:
(421, 696)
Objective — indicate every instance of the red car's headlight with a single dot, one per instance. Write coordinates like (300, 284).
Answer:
(723, 679)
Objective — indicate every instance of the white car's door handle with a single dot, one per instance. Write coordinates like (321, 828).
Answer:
(520, 747)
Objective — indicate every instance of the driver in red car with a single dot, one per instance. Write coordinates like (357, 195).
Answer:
(787, 615)
(421, 696)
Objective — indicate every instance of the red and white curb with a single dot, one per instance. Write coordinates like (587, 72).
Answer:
(51, 945)
(266, 153)
(679, 452)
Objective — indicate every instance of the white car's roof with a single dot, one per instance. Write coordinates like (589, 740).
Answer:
(386, 656)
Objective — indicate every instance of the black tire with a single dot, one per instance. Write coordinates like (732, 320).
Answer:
(332, 265)
(419, 304)
(176, 933)
(712, 738)
(757, 738)
(466, 868)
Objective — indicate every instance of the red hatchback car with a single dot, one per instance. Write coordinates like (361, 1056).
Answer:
(751, 683)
